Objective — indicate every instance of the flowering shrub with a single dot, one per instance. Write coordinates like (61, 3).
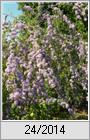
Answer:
(45, 62)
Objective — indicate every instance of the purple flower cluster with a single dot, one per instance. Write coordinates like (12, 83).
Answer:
(45, 61)
(19, 26)
(80, 11)
(28, 8)
(63, 17)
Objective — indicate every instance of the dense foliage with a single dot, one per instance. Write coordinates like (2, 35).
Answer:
(45, 57)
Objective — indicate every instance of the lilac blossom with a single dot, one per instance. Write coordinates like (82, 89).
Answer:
(19, 25)
(28, 8)
(34, 73)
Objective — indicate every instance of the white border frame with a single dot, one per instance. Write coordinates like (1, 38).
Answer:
(88, 64)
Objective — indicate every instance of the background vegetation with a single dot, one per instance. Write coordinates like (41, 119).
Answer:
(59, 32)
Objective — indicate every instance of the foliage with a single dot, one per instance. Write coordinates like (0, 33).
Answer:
(45, 62)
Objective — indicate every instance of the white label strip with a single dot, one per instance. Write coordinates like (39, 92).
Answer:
(44, 130)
